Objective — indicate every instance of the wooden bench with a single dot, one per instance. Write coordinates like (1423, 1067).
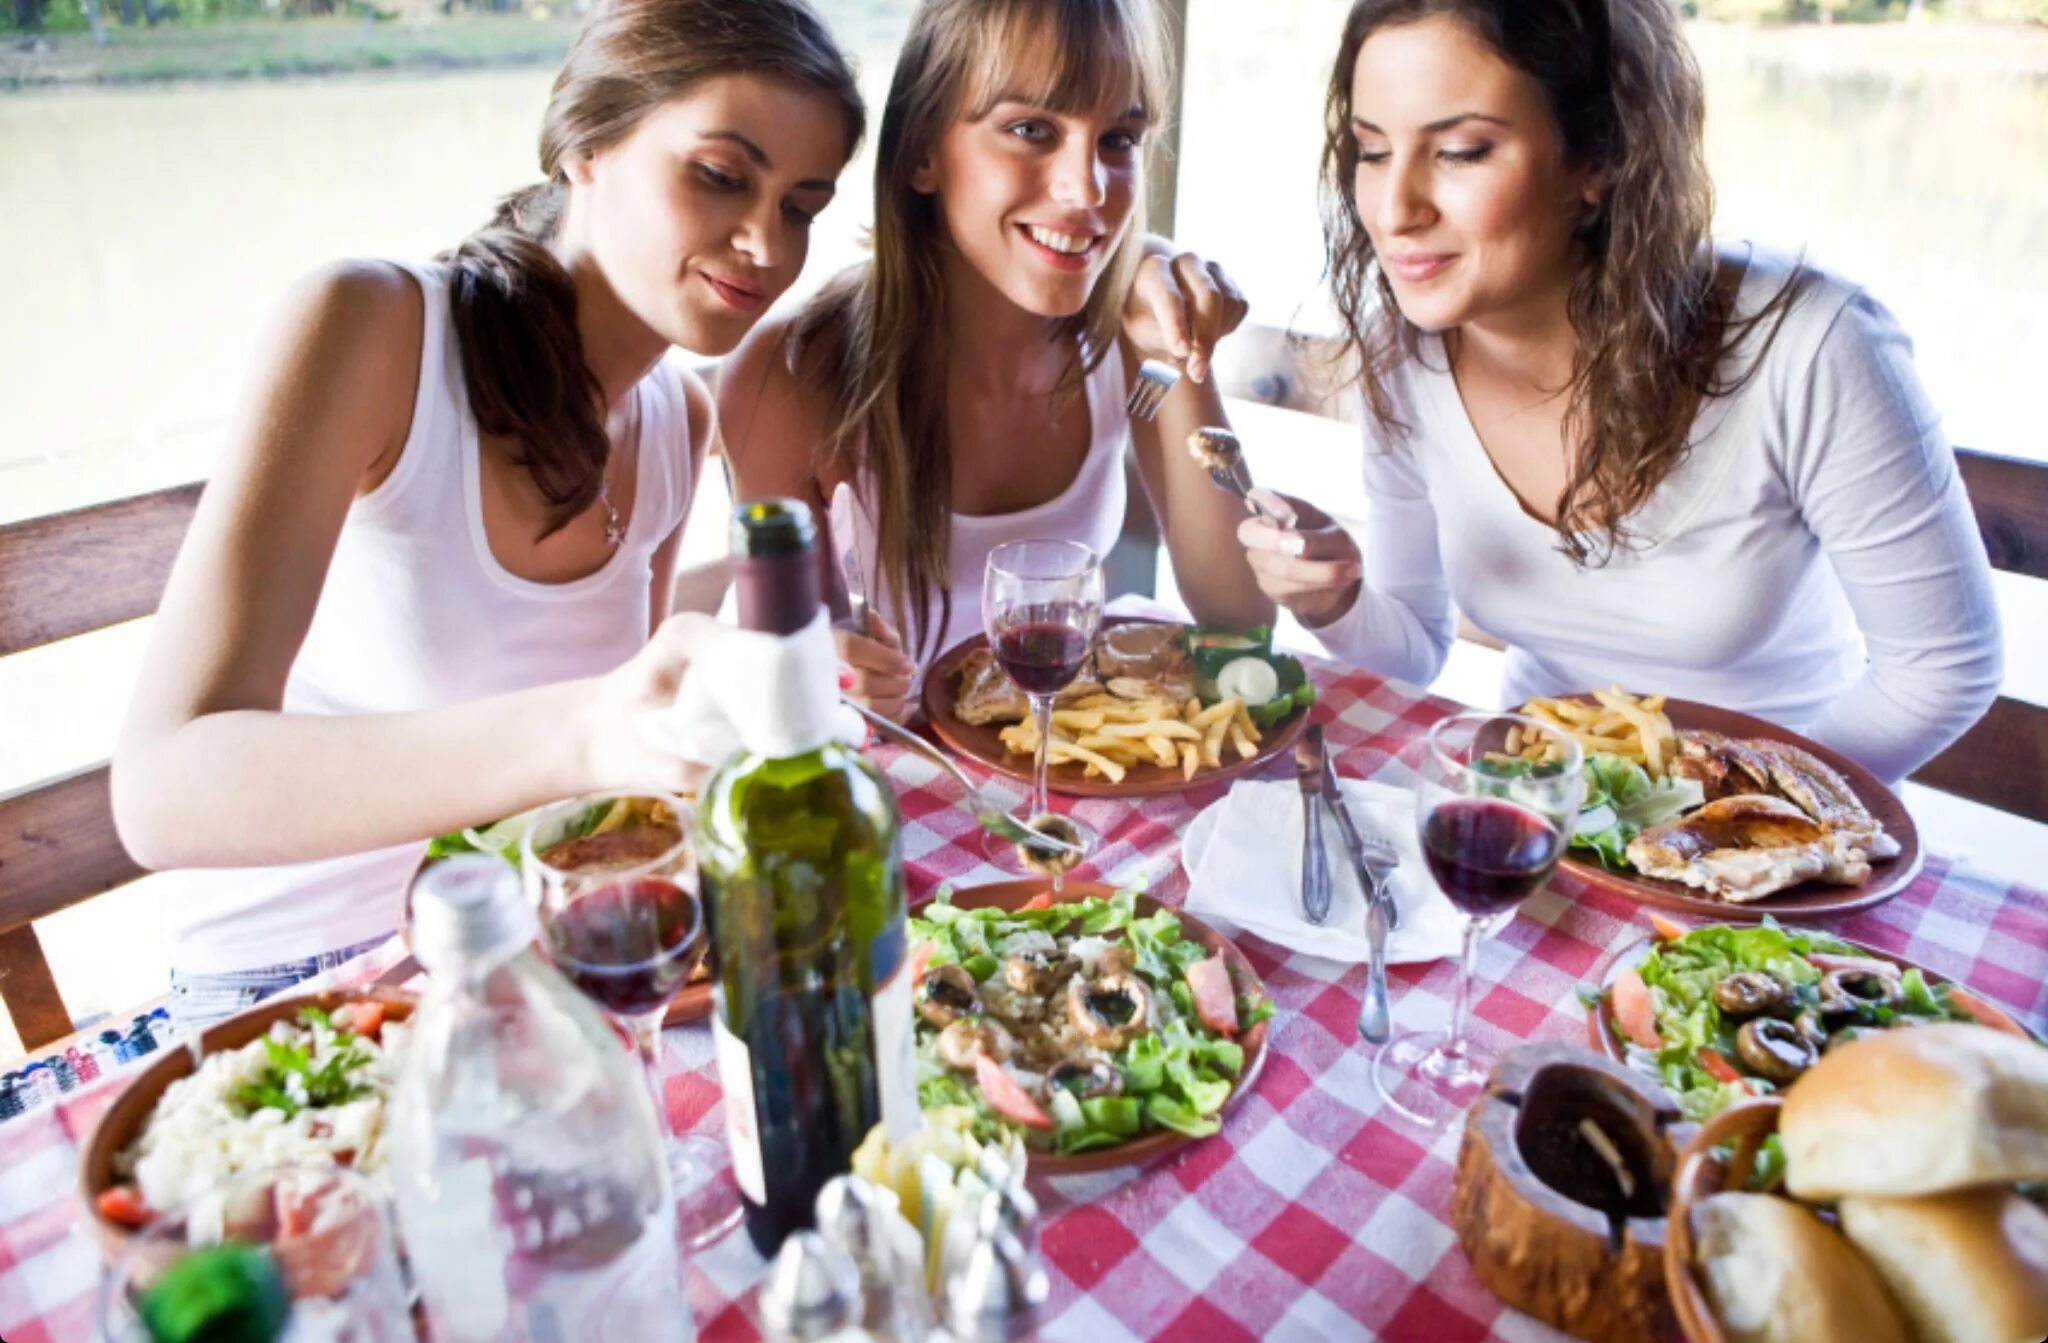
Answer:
(73, 573)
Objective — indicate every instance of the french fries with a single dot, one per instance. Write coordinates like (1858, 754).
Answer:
(1107, 736)
(1615, 723)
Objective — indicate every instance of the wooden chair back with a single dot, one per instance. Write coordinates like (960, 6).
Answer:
(2002, 762)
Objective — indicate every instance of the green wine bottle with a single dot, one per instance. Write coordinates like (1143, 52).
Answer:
(803, 894)
(220, 1294)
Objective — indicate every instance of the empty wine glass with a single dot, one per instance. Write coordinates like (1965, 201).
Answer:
(614, 876)
(1041, 605)
(1496, 799)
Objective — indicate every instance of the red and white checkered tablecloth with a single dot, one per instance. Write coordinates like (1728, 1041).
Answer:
(1310, 1217)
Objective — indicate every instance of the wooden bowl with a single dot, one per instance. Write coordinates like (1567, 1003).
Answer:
(123, 1121)
(1702, 1173)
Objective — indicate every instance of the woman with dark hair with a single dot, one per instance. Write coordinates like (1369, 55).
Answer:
(965, 387)
(1634, 455)
(431, 582)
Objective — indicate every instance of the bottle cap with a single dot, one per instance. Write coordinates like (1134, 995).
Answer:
(812, 1291)
(470, 909)
(997, 1293)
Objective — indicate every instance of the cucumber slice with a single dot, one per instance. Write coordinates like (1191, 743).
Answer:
(1250, 679)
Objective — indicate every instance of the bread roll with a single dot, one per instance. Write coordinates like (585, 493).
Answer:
(1918, 1110)
(1968, 1267)
(1776, 1273)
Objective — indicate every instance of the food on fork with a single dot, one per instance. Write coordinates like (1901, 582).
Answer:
(1214, 449)
(1744, 848)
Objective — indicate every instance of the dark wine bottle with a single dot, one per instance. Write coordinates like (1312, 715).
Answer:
(803, 894)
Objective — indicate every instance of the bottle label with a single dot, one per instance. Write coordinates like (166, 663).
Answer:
(742, 1125)
(896, 1059)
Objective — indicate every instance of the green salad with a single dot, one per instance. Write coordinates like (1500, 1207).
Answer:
(1080, 1025)
(1622, 801)
(1724, 1013)
(1241, 664)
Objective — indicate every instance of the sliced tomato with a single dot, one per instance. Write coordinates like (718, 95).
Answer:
(1006, 1097)
(1853, 964)
(1043, 900)
(920, 960)
(324, 1240)
(1635, 1010)
(1720, 1069)
(364, 1018)
(1215, 999)
(1667, 930)
(1982, 1012)
(122, 1205)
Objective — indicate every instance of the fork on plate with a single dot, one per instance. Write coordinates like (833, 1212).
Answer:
(1155, 379)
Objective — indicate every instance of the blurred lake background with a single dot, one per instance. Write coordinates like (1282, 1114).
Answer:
(148, 225)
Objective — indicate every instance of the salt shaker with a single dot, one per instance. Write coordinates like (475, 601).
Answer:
(1006, 1207)
(997, 1293)
(858, 1218)
(812, 1291)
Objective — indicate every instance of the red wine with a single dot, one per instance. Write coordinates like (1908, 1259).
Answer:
(626, 944)
(1489, 855)
(1042, 656)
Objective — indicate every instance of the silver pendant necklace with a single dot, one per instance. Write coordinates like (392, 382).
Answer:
(614, 534)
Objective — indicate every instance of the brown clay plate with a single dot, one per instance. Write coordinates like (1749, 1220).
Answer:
(1809, 900)
(692, 1004)
(984, 744)
(1599, 1015)
(123, 1121)
(1151, 1146)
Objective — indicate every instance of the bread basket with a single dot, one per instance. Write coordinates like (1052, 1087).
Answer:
(1702, 1173)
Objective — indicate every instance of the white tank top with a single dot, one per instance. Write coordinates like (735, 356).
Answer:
(416, 613)
(1089, 510)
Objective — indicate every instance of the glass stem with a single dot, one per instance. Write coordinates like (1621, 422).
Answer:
(646, 1032)
(1468, 968)
(1041, 716)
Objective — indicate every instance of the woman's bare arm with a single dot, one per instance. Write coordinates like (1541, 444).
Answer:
(209, 771)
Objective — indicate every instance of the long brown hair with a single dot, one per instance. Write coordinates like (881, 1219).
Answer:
(514, 305)
(877, 335)
(1651, 311)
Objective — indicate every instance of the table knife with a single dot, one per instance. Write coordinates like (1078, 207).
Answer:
(1315, 867)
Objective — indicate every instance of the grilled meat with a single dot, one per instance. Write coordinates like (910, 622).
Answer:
(1825, 795)
(1138, 660)
(1724, 766)
(613, 851)
(1745, 847)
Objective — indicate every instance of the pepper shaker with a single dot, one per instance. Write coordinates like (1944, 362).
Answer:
(812, 1291)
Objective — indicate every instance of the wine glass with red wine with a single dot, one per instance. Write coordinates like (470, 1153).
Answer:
(1496, 799)
(1041, 604)
(614, 876)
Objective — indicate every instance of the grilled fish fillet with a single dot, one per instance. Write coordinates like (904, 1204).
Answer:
(1744, 848)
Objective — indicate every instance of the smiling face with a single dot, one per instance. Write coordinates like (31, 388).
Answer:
(1462, 183)
(700, 218)
(1035, 200)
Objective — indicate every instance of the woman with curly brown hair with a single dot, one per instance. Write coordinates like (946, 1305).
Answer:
(1635, 455)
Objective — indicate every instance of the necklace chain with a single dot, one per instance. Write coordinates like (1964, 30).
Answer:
(614, 534)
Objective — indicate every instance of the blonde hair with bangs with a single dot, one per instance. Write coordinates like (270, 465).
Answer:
(871, 333)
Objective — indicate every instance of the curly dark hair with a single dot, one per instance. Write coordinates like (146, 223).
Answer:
(1652, 310)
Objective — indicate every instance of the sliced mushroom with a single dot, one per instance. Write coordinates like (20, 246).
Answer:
(1774, 1049)
(1753, 993)
(1117, 959)
(967, 1039)
(947, 993)
(1038, 973)
(1111, 1011)
(1855, 990)
(1809, 1025)
(1087, 1078)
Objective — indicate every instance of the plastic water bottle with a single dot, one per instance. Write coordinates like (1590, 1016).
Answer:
(531, 1189)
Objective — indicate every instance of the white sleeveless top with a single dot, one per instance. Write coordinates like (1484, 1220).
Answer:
(416, 613)
(1089, 510)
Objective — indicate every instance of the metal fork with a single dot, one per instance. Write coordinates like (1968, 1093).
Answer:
(1156, 378)
(992, 819)
(1222, 456)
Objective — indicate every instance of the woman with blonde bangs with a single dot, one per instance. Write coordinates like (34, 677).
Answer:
(1633, 454)
(966, 386)
(431, 581)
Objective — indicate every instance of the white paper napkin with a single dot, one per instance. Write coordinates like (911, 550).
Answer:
(1243, 856)
(762, 690)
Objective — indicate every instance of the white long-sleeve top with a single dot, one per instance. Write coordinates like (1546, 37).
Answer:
(1813, 560)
